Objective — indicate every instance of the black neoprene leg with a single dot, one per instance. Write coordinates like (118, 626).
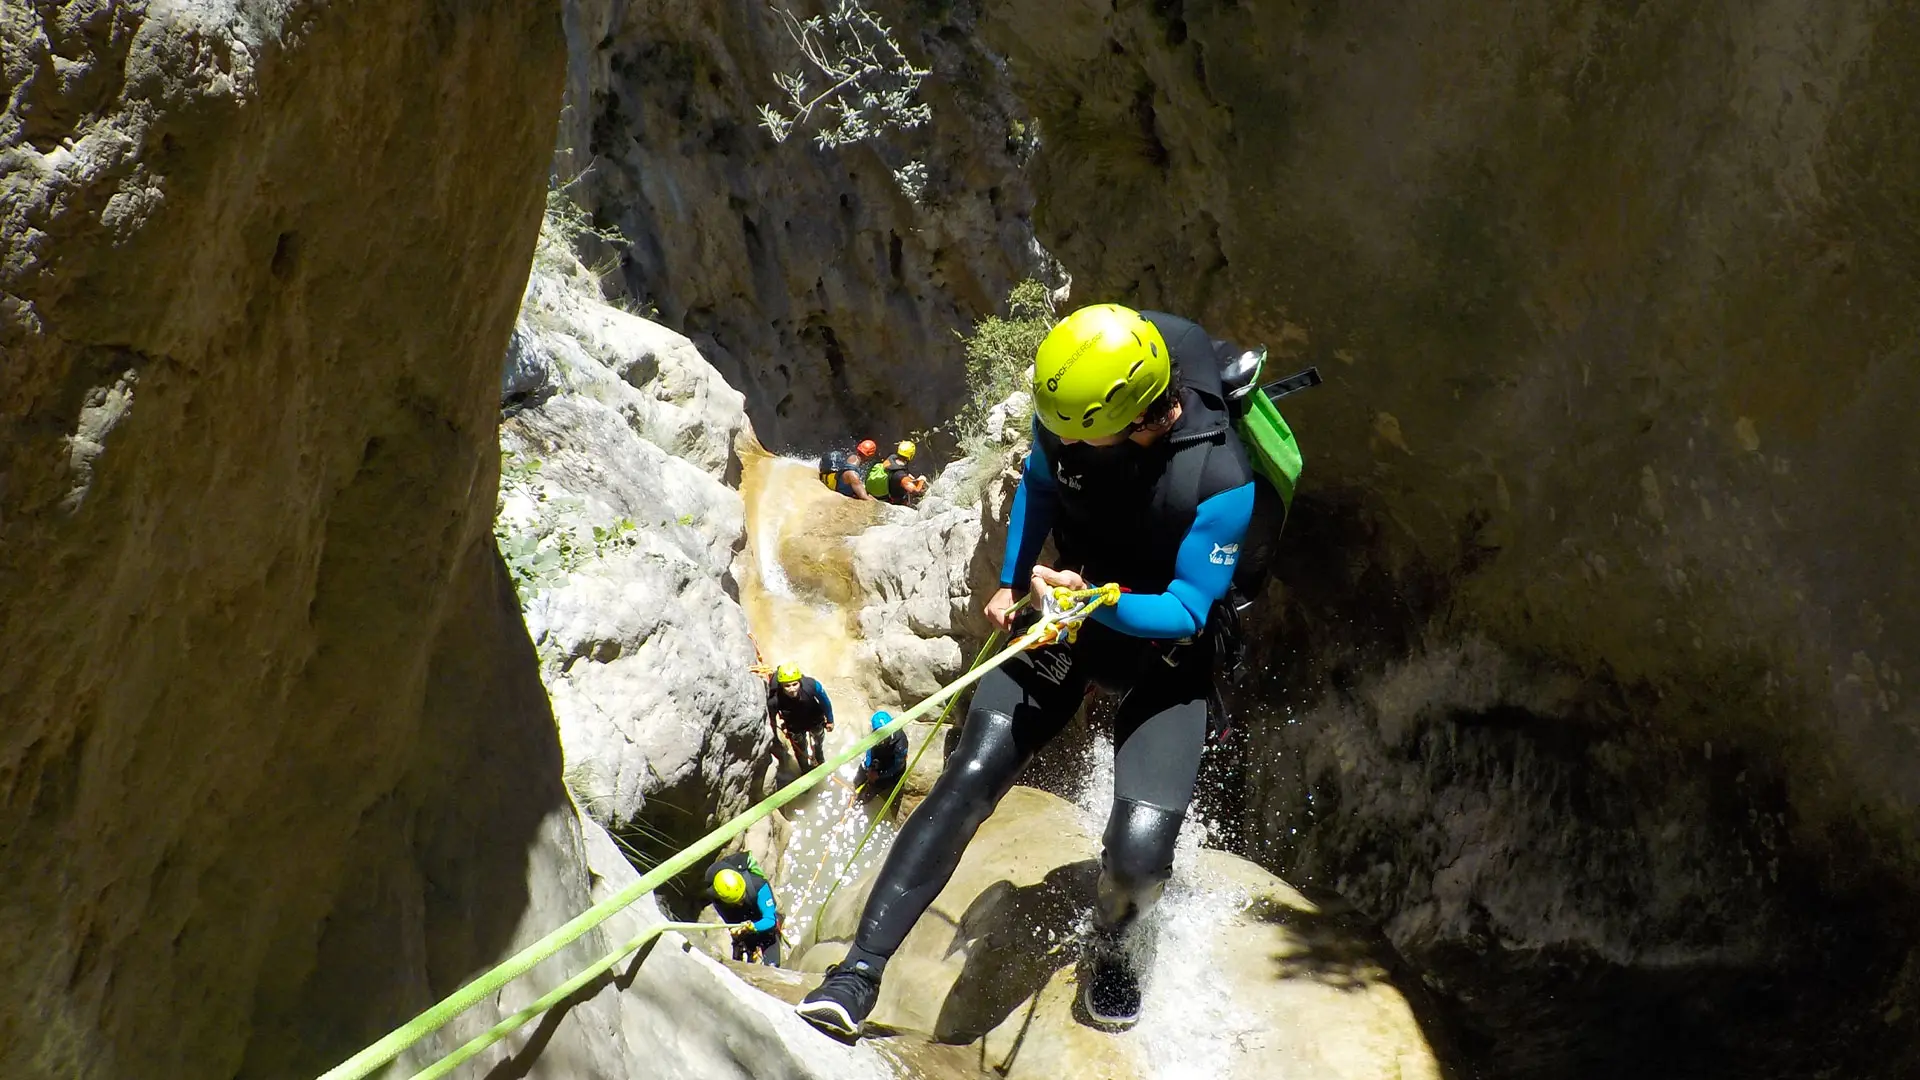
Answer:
(1015, 711)
(1159, 734)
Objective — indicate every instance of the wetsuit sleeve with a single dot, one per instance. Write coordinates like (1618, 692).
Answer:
(769, 916)
(1202, 570)
(826, 706)
(1031, 518)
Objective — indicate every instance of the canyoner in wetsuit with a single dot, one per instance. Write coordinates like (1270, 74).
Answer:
(885, 763)
(1137, 473)
(742, 894)
(845, 471)
(797, 705)
(891, 480)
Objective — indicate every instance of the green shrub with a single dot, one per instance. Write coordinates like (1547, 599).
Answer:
(558, 250)
(999, 361)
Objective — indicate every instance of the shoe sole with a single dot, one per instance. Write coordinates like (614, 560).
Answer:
(1104, 1021)
(829, 1017)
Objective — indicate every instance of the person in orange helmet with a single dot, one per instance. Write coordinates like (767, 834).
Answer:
(845, 472)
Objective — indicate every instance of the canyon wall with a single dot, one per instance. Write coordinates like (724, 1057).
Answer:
(808, 278)
(1590, 651)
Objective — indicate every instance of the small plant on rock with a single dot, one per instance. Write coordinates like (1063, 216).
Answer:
(541, 552)
(999, 359)
(562, 227)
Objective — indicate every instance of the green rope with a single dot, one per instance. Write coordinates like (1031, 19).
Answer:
(435, 1017)
(900, 784)
(554, 997)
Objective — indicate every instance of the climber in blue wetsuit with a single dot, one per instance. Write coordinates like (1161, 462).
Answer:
(743, 896)
(1138, 475)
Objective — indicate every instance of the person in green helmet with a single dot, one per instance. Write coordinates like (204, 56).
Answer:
(798, 707)
(1139, 477)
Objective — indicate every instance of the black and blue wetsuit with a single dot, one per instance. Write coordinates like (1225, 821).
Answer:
(805, 717)
(884, 764)
(1163, 521)
(757, 908)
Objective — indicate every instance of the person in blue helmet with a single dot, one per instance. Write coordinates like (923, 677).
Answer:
(886, 763)
(1139, 477)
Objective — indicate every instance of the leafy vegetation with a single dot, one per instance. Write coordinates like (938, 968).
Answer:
(855, 84)
(563, 228)
(999, 362)
(541, 553)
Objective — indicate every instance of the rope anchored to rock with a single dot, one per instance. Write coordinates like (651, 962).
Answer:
(1077, 606)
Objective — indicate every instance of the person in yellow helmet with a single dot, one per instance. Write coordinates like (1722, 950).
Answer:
(797, 705)
(744, 898)
(1137, 474)
(891, 480)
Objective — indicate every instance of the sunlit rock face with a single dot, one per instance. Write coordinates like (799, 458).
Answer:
(806, 275)
(275, 765)
(1589, 664)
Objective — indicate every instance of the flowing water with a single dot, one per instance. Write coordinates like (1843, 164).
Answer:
(1190, 1027)
(796, 587)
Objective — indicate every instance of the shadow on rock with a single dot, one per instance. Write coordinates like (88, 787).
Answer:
(1334, 951)
(1016, 938)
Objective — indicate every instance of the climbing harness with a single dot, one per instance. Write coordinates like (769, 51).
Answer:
(390, 1046)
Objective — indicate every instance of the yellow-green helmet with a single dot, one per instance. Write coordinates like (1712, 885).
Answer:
(787, 673)
(1097, 370)
(729, 886)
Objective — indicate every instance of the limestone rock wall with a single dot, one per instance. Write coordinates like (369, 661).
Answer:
(619, 439)
(923, 574)
(805, 275)
(275, 760)
(1602, 548)
(276, 766)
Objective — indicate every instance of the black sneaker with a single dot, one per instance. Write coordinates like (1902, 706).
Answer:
(1109, 988)
(840, 1004)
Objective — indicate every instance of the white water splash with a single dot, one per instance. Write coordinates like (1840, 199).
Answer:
(1190, 1026)
(766, 541)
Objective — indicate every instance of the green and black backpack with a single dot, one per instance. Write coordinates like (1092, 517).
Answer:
(1275, 456)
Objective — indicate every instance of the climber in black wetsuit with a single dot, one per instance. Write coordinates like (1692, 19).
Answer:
(885, 763)
(798, 705)
(1137, 473)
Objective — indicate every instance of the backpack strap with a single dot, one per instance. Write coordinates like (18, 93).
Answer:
(1293, 384)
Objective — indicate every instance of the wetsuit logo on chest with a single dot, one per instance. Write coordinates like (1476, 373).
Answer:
(1224, 554)
(1068, 480)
